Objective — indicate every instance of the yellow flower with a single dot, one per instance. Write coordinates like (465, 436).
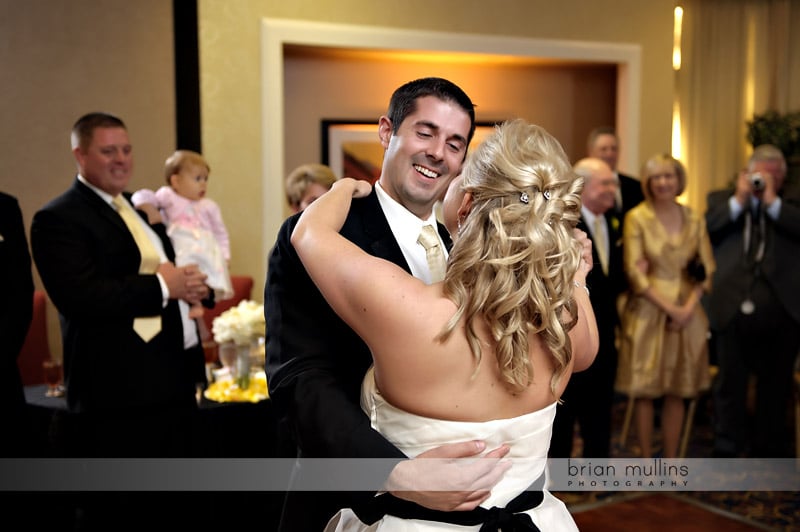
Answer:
(226, 390)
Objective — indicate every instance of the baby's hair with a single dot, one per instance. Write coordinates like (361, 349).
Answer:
(176, 162)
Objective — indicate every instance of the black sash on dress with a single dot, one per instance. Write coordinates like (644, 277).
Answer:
(509, 519)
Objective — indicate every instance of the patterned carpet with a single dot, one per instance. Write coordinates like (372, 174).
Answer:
(774, 511)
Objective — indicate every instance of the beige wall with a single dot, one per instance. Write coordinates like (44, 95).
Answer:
(567, 101)
(231, 89)
(61, 59)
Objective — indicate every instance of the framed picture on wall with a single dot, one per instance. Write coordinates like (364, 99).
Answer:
(352, 148)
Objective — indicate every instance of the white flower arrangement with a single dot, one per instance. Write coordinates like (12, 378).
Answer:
(240, 324)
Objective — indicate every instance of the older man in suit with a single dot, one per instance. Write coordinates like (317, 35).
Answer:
(131, 355)
(754, 308)
(589, 396)
(15, 318)
(603, 143)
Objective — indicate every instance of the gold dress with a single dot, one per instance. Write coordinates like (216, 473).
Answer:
(653, 360)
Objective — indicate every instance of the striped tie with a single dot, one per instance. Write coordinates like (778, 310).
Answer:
(433, 252)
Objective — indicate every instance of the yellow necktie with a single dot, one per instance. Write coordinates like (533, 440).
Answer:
(600, 243)
(433, 252)
(150, 326)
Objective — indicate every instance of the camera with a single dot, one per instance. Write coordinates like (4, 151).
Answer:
(757, 181)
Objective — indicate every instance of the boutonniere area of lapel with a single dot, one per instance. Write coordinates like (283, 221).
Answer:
(615, 223)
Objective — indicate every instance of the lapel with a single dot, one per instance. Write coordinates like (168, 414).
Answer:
(614, 224)
(614, 245)
(95, 204)
(378, 239)
(446, 239)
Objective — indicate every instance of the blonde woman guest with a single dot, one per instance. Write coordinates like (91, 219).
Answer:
(487, 352)
(306, 183)
(664, 347)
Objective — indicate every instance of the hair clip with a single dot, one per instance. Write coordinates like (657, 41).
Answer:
(524, 198)
(546, 195)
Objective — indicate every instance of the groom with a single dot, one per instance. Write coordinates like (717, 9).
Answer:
(321, 361)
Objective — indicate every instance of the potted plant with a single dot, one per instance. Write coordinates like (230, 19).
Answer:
(780, 130)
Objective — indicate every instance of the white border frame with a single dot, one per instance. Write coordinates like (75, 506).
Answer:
(275, 33)
(357, 132)
(338, 136)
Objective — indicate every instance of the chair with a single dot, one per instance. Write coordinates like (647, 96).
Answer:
(36, 348)
(242, 289)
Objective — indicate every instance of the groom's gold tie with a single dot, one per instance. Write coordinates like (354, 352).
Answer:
(433, 252)
(150, 326)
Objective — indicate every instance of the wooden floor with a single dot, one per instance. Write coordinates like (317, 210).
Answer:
(657, 512)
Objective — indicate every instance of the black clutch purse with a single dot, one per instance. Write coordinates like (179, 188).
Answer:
(696, 270)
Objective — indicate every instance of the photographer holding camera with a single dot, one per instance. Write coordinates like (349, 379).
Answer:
(754, 308)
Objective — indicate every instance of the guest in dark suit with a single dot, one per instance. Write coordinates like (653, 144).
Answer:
(129, 394)
(589, 395)
(316, 388)
(755, 309)
(603, 143)
(15, 319)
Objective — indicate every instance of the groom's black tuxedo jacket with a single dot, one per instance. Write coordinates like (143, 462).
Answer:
(89, 264)
(321, 361)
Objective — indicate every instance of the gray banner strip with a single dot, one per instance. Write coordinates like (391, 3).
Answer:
(57, 475)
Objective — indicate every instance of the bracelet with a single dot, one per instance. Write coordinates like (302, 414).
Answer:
(579, 285)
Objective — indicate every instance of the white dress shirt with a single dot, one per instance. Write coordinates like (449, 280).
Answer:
(190, 336)
(406, 228)
(590, 217)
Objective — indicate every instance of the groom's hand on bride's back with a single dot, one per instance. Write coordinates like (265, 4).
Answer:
(450, 477)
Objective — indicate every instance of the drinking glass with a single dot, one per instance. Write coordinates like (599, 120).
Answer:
(227, 357)
(53, 376)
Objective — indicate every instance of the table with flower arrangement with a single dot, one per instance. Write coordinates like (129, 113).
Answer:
(235, 408)
(234, 420)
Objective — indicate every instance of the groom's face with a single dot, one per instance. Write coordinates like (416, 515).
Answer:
(424, 154)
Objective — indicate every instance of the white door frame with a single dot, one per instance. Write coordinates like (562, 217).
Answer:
(275, 33)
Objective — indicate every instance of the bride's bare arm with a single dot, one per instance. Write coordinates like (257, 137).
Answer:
(355, 284)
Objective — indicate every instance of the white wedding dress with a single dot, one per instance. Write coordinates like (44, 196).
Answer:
(528, 437)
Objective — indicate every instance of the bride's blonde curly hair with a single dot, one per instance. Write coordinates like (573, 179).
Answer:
(513, 262)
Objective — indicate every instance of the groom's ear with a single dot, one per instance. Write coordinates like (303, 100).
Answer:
(384, 131)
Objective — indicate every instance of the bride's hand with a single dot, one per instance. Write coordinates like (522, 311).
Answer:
(586, 248)
(360, 187)
(363, 188)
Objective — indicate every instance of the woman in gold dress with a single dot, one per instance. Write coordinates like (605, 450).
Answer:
(663, 343)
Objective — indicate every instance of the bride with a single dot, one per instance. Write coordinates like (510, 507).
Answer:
(484, 354)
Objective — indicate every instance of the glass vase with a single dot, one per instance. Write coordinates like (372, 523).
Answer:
(243, 364)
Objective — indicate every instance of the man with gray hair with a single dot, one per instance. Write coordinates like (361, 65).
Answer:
(603, 143)
(754, 308)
